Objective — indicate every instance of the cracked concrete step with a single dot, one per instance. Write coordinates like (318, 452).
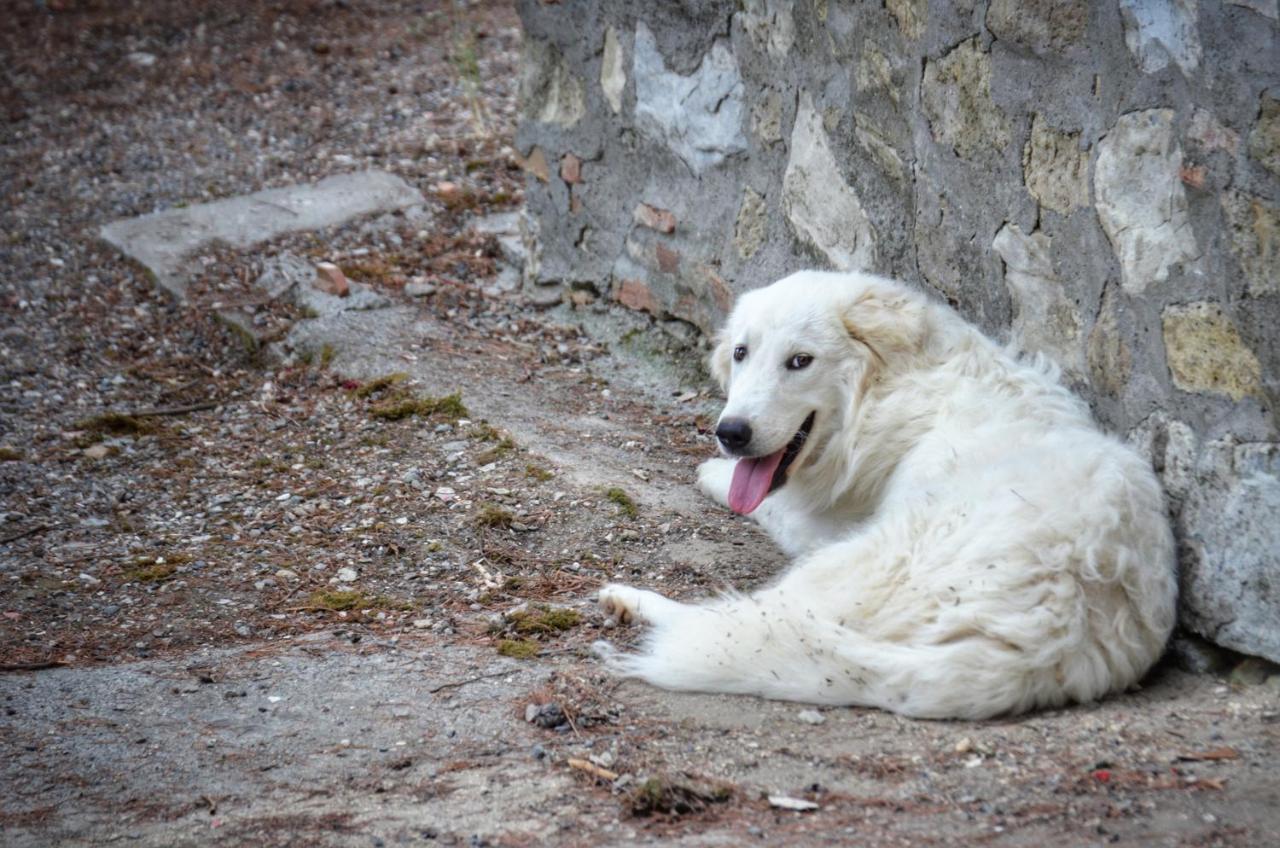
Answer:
(163, 241)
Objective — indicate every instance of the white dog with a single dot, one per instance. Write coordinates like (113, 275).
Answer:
(968, 543)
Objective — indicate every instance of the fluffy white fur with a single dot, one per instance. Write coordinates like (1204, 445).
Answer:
(967, 542)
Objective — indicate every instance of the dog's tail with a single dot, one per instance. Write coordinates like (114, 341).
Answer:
(763, 646)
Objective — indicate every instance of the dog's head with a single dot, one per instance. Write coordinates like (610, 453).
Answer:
(795, 360)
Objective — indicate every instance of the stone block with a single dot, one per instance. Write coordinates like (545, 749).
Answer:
(1206, 354)
(1162, 32)
(613, 70)
(1044, 320)
(698, 117)
(654, 218)
(1140, 198)
(956, 99)
(550, 93)
(1043, 26)
(822, 208)
(1055, 168)
(750, 227)
(1254, 226)
(1264, 138)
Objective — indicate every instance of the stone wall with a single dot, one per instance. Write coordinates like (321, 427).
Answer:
(1100, 179)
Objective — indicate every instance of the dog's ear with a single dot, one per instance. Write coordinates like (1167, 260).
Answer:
(887, 319)
(720, 362)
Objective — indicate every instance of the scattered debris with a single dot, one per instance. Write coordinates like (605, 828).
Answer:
(677, 794)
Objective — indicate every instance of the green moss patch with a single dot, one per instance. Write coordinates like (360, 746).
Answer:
(626, 505)
(534, 472)
(491, 516)
(377, 384)
(543, 620)
(520, 649)
(398, 407)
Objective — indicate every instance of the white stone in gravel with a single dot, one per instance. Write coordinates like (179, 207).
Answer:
(782, 802)
(164, 240)
(419, 288)
(347, 575)
(811, 717)
(287, 574)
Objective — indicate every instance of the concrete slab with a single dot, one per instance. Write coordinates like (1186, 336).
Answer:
(162, 240)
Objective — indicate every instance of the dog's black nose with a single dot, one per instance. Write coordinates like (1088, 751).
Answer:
(734, 433)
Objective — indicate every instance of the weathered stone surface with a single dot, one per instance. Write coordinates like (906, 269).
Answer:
(1209, 133)
(766, 117)
(549, 92)
(1158, 32)
(536, 164)
(956, 99)
(636, 294)
(1264, 140)
(1041, 25)
(1255, 239)
(1226, 496)
(1266, 8)
(654, 218)
(911, 15)
(882, 153)
(769, 25)
(1044, 319)
(330, 280)
(1109, 356)
(1206, 354)
(749, 229)
(1140, 199)
(163, 240)
(1055, 169)
(822, 208)
(875, 73)
(570, 169)
(698, 117)
(613, 70)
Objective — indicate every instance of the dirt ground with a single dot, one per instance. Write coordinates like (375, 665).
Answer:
(304, 595)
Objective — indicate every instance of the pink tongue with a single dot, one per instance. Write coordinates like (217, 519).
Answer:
(751, 479)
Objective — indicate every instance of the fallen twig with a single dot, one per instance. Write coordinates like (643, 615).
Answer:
(455, 684)
(592, 769)
(30, 531)
(35, 666)
(173, 410)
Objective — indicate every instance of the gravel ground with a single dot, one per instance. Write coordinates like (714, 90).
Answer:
(189, 529)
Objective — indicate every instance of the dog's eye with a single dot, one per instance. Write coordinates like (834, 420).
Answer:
(739, 353)
(800, 360)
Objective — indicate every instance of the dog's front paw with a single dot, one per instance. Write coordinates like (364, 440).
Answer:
(620, 603)
(714, 477)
